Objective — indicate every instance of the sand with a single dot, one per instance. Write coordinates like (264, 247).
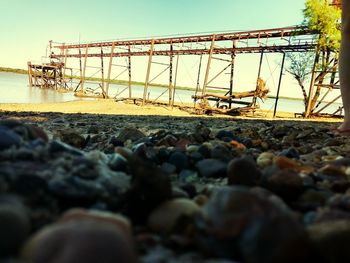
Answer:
(110, 107)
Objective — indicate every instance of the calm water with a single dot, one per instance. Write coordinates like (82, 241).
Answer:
(14, 89)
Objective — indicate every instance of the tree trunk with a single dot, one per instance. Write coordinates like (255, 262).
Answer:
(301, 84)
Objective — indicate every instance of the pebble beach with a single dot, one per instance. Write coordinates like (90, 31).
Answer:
(114, 182)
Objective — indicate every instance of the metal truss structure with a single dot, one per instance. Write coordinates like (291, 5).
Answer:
(222, 47)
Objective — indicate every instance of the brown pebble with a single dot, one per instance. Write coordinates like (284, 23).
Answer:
(82, 214)
(80, 241)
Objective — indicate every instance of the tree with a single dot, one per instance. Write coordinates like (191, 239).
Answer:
(323, 19)
(300, 67)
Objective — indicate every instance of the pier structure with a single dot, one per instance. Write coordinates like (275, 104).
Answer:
(48, 75)
(220, 48)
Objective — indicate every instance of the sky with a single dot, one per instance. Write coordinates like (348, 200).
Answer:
(28, 25)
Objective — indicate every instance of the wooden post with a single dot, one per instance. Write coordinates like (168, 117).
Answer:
(35, 76)
(42, 76)
(30, 74)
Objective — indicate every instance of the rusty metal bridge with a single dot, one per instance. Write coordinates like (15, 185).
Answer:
(221, 47)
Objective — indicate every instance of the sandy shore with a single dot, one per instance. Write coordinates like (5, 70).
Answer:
(111, 107)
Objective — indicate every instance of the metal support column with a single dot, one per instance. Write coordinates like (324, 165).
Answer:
(102, 77)
(259, 73)
(279, 84)
(82, 80)
(174, 88)
(171, 74)
(129, 71)
(63, 76)
(211, 50)
(198, 79)
(110, 68)
(80, 70)
(148, 72)
(233, 55)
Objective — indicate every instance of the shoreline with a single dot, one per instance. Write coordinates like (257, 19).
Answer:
(110, 107)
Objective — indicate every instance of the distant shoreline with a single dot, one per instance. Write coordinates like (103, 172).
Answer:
(14, 70)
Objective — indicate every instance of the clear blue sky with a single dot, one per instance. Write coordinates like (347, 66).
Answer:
(28, 25)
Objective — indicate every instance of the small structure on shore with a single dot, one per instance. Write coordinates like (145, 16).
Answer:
(48, 76)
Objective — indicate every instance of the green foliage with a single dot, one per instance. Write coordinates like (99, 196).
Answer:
(323, 19)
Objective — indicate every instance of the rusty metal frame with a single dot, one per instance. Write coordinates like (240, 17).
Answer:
(277, 40)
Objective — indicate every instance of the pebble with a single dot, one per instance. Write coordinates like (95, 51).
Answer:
(211, 168)
(130, 134)
(179, 160)
(164, 218)
(285, 183)
(71, 137)
(8, 138)
(237, 223)
(79, 214)
(221, 152)
(117, 162)
(80, 241)
(243, 172)
(284, 178)
(14, 225)
(330, 241)
(265, 159)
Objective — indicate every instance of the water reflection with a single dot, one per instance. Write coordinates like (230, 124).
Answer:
(14, 89)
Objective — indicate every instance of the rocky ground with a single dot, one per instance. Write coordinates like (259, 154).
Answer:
(113, 188)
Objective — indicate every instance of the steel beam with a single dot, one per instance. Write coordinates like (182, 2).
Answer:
(206, 76)
(254, 34)
(202, 51)
(170, 75)
(109, 69)
(233, 56)
(102, 77)
(129, 72)
(148, 73)
(82, 80)
(279, 84)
